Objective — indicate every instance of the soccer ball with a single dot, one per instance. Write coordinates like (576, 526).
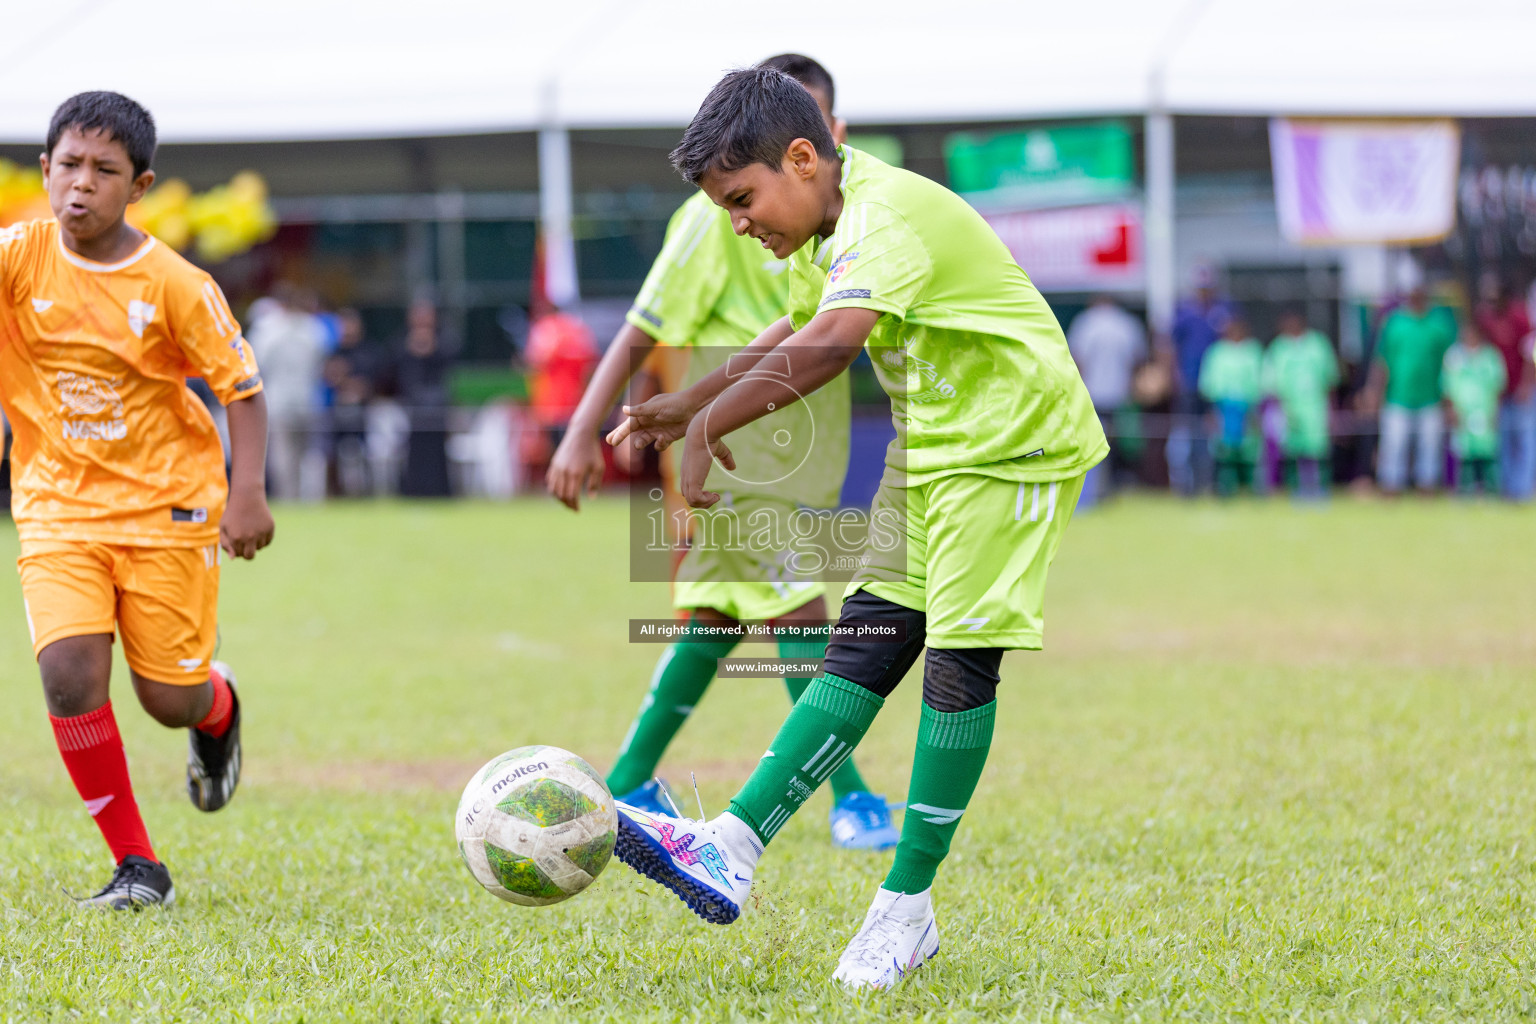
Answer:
(536, 825)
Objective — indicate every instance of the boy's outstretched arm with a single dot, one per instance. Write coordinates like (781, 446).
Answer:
(577, 464)
(247, 525)
(814, 356)
(663, 419)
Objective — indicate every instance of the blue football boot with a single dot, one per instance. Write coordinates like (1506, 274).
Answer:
(862, 821)
(651, 797)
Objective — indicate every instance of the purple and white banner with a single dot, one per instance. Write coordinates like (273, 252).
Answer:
(1338, 182)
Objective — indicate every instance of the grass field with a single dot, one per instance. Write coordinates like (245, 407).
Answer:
(1277, 764)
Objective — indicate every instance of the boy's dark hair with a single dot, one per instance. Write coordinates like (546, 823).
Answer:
(121, 118)
(750, 117)
(807, 72)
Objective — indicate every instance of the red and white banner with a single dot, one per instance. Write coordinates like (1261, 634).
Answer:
(1338, 182)
(1084, 248)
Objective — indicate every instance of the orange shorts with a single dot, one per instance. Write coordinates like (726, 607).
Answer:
(164, 601)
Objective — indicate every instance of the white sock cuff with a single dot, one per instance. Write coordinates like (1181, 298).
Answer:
(740, 837)
(910, 904)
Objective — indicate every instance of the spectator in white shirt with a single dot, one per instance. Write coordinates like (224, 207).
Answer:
(1108, 344)
(290, 342)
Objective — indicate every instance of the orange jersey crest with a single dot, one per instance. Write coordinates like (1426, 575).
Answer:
(110, 444)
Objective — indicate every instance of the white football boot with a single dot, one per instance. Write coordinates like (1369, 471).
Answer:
(709, 864)
(899, 933)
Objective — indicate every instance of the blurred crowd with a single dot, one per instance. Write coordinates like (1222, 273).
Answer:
(354, 416)
(1443, 398)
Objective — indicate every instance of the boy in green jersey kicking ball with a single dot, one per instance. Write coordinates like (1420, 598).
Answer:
(1300, 370)
(995, 432)
(710, 293)
(1472, 381)
(1231, 376)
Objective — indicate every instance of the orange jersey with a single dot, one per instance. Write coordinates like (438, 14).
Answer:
(110, 445)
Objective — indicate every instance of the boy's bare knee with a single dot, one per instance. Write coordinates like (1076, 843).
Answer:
(68, 696)
(76, 674)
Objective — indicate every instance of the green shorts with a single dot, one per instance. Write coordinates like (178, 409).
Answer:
(975, 559)
(1306, 433)
(741, 562)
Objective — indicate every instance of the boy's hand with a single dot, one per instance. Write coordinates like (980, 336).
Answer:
(699, 454)
(576, 467)
(247, 526)
(656, 422)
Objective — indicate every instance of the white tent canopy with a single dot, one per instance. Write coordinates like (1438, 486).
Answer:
(323, 69)
(299, 69)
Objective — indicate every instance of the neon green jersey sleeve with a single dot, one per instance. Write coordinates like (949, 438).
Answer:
(686, 280)
(876, 262)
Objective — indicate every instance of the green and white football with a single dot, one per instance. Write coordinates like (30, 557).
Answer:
(536, 825)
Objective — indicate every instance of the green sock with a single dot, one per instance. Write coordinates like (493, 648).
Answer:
(847, 778)
(951, 751)
(681, 677)
(820, 733)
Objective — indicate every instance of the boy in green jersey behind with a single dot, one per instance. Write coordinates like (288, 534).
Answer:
(995, 432)
(1300, 371)
(1472, 380)
(1231, 379)
(709, 293)
(1405, 384)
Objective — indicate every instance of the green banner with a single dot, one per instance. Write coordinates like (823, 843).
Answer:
(1060, 166)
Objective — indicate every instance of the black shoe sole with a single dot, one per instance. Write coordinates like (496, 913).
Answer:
(646, 856)
(165, 902)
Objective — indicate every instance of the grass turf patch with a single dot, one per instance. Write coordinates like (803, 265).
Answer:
(1276, 763)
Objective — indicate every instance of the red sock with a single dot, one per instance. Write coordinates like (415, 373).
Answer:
(93, 753)
(216, 723)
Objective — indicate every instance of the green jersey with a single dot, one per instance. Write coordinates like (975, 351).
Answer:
(1300, 371)
(974, 362)
(1233, 371)
(712, 292)
(1413, 348)
(1473, 379)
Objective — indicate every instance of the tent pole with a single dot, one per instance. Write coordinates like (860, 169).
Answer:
(556, 204)
(1161, 284)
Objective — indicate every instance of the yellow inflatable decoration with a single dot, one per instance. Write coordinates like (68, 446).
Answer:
(21, 194)
(163, 213)
(231, 218)
(224, 221)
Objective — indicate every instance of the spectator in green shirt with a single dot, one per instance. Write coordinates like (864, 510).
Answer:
(1301, 370)
(1405, 379)
(1231, 379)
(1472, 379)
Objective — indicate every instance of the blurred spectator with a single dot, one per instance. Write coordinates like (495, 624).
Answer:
(1301, 369)
(1405, 382)
(1108, 344)
(561, 354)
(1472, 380)
(1197, 323)
(1502, 318)
(422, 373)
(1231, 379)
(289, 341)
(350, 373)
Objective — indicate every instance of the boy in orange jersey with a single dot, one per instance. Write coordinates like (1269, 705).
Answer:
(120, 498)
